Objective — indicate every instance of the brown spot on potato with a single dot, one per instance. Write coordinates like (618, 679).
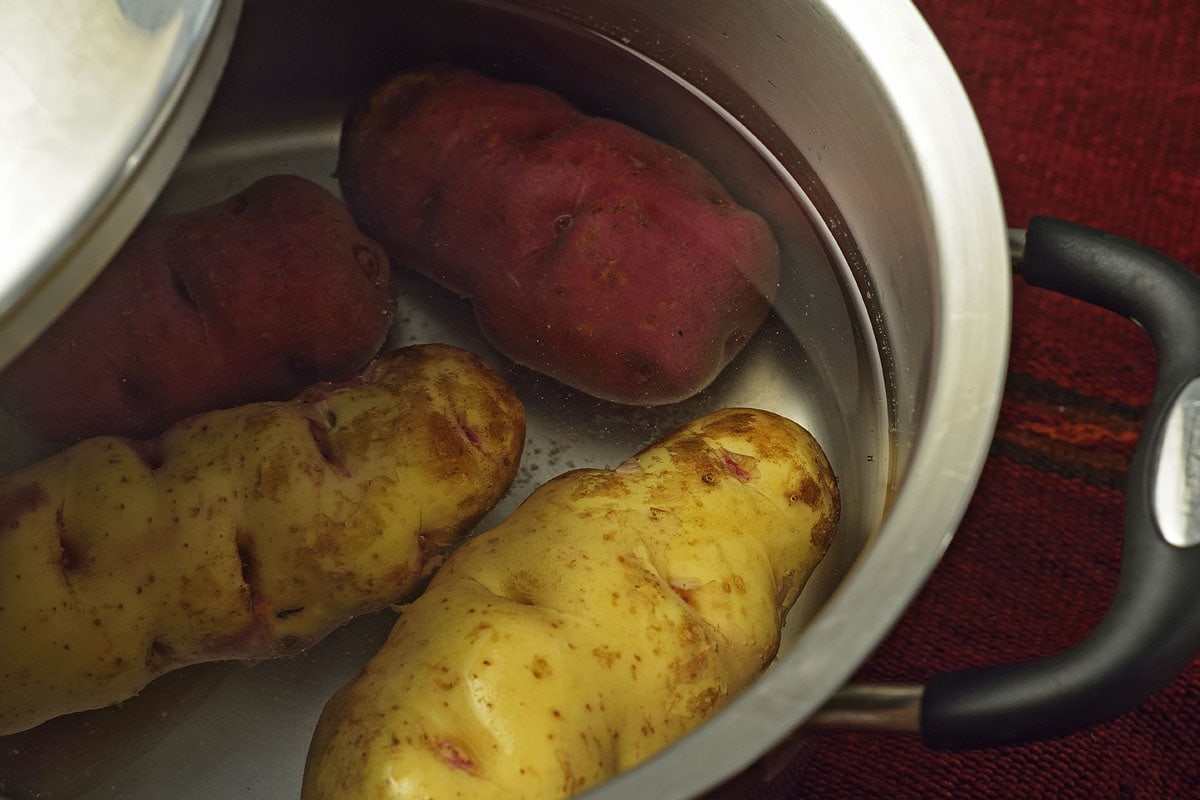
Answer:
(519, 591)
(606, 656)
(474, 634)
(540, 667)
(702, 704)
(600, 484)
(693, 454)
(808, 492)
(737, 423)
(683, 590)
(448, 455)
(522, 589)
(823, 533)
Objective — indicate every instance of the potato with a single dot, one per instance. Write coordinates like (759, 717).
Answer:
(591, 252)
(243, 533)
(246, 300)
(610, 614)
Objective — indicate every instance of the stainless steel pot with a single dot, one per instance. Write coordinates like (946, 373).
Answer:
(845, 125)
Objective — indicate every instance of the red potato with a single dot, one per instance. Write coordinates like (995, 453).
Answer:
(246, 300)
(591, 252)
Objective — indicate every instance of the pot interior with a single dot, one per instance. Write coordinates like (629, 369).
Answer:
(779, 105)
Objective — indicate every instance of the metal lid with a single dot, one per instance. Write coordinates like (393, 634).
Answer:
(98, 99)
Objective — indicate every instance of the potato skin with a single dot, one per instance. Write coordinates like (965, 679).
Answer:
(591, 252)
(249, 299)
(244, 533)
(610, 614)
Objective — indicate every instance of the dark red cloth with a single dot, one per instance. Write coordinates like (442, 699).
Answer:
(1091, 111)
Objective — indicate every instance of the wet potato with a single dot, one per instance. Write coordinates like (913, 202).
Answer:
(611, 613)
(591, 252)
(244, 533)
(245, 300)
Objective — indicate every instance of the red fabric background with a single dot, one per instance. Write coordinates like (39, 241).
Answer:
(1091, 111)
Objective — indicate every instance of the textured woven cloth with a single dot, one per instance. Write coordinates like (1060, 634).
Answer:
(1091, 111)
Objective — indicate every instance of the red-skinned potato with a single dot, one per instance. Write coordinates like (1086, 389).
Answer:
(246, 300)
(591, 252)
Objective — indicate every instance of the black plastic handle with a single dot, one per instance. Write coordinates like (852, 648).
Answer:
(1152, 629)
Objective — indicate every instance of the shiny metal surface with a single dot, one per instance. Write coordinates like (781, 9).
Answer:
(844, 124)
(99, 100)
(870, 707)
(1176, 500)
(1016, 246)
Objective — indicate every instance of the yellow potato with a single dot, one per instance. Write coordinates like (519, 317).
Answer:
(245, 533)
(610, 614)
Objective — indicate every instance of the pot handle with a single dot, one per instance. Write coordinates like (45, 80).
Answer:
(1152, 628)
